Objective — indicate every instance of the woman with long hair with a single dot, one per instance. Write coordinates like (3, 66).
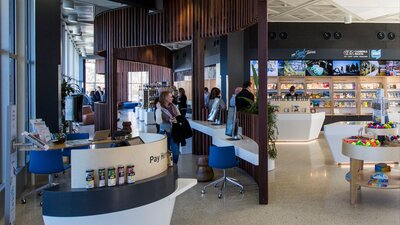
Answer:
(166, 114)
(215, 95)
(182, 102)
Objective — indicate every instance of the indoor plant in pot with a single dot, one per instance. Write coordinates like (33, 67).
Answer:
(272, 126)
(272, 130)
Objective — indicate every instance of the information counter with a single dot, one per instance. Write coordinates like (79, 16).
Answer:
(301, 127)
(150, 200)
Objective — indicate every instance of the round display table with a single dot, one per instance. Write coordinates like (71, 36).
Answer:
(382, 132)
(360, 177)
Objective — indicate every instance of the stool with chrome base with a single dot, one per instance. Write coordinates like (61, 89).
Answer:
(45, 162)
(223, 158)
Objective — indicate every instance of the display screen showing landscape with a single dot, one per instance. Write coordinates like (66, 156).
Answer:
(272, 67)
(346, 68)
(373, 68)
(392, 68)
(294, 68)
(319, 67)
(329, 68)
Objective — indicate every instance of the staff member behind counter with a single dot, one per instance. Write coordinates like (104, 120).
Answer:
(292, 93)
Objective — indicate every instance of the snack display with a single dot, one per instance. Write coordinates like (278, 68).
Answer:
(388, 125)
(364, 142)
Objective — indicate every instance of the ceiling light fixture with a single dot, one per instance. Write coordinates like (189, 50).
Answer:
(68, 5)
(348, 19)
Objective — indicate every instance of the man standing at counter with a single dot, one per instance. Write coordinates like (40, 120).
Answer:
(243, 96)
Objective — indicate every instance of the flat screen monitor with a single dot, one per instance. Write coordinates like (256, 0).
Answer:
(231, 123)
(318, 67)
(346, 68)
(272, 67)
(373, 68)
(294, 68)
(392, 68)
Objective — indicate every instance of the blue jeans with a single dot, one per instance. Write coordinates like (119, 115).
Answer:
(172, 146)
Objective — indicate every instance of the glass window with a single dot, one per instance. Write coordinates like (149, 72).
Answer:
(135, 81)
(93, 79)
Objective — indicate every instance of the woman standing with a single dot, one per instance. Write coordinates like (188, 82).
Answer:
(166, 114)
(214, 96)
(182, 102)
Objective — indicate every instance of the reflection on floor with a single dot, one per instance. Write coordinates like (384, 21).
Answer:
(305, 188)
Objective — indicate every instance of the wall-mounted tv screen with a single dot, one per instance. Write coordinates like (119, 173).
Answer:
(272, 67)
(373, 68)
(319, 67)
(346, 68)
(294, 68)
(392, 68)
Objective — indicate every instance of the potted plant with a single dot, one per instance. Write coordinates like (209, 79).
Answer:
(272, 130)
(272, 126)
(66, 89)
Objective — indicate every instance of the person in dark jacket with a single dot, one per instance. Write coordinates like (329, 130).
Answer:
(292, 93)
(166, 114)
(182, 102)
(241, 102)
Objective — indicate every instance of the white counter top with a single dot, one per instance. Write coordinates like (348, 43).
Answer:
(246, 148)
(299, 126)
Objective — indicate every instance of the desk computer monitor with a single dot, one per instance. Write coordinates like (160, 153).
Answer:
(231, 124)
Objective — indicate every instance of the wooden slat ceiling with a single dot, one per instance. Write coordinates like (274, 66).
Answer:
(128, 27)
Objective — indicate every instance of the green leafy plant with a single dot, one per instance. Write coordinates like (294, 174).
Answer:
(272, 127)
(66, 89)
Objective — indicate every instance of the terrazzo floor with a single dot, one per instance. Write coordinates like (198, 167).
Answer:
(306, 187)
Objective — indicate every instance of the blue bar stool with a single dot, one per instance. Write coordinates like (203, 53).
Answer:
(223, 158)
(45, 162)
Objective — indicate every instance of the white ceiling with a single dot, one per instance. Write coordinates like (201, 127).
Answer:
(334, 11)
(331, 11)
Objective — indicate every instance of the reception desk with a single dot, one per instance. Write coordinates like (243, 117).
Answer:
(150, 200)
(299, 126)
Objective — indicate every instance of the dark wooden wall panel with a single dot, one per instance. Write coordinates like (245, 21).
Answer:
(155, 55)
(100, 66)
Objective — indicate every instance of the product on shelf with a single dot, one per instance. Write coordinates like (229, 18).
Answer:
(368, 95)
(344, 95)
(89, 179)
(382, 167)
(318, 85)
(370, 86)
(130, 173)
(121, 175)
(392, 140)
(102, 177)
(378, 179)
(363, 142)
(344, 86)
(271, 86)
(345, 104)
(388, 125)
(112, 178)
